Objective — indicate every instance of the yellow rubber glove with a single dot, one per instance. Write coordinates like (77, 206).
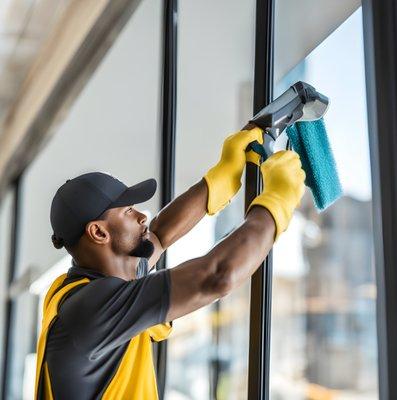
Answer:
(252, 156)
(284, 187)
(224, 179)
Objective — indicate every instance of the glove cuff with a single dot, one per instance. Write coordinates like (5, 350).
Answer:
(221, 189)
(277, 207)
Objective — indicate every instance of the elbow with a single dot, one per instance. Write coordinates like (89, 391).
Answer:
(220, 281)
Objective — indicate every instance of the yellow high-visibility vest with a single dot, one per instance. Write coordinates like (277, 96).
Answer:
(135, 376)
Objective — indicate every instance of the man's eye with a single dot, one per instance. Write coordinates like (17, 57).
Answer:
(129, 209)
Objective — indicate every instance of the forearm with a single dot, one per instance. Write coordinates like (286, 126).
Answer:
(181, 214)
(239, 254)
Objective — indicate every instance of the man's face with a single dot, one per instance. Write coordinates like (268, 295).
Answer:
(128, 232)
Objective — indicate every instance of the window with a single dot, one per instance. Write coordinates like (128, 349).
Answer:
(323, 338)
(208, 351)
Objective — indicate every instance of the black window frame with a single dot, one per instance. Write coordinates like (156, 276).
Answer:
(380, 52)
(15, 186)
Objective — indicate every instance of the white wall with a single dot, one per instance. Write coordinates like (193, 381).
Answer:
(112, 127)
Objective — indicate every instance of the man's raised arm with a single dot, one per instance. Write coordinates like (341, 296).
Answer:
(210, 195)
(181, 215)
(202, 280)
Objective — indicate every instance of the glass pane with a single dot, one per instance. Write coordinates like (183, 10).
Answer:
(113, 127)
(6, 217)
(22, 343)
(208, 351)
(323, 338)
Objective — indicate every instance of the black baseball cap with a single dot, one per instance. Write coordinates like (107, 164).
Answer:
(85, 197)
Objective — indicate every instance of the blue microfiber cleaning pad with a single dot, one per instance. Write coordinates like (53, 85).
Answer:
(309, 139)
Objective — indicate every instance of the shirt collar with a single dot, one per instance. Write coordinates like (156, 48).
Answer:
(78, 270)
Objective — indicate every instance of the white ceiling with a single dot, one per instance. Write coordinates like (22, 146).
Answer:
(24, 26)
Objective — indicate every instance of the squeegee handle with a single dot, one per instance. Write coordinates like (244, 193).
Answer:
(255, 146)
(258, 148)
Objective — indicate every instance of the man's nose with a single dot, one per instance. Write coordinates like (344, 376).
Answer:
(142, 218)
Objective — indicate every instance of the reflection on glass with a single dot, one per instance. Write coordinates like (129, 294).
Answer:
(323, 342)
(208, 350)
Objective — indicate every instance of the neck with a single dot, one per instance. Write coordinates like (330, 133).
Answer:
(110, 264)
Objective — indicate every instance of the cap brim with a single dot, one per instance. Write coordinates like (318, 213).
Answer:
(138, 193)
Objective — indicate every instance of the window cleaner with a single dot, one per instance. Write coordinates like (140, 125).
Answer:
(300, 110)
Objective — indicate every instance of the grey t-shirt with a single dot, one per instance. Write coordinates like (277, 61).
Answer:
(95, 324)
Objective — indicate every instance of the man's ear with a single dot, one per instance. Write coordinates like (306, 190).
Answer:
(97, 232)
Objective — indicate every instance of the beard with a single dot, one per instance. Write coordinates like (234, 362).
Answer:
(145, 249)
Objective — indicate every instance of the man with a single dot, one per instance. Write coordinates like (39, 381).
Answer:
(100, 318)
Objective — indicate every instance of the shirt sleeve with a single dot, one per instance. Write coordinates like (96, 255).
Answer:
(109, 311)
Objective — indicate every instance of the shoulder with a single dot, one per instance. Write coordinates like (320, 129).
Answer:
(110, 292)
(91, 294)
(104, 301)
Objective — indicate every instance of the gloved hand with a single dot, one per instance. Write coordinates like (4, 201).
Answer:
(284, 187)
(224, 179)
